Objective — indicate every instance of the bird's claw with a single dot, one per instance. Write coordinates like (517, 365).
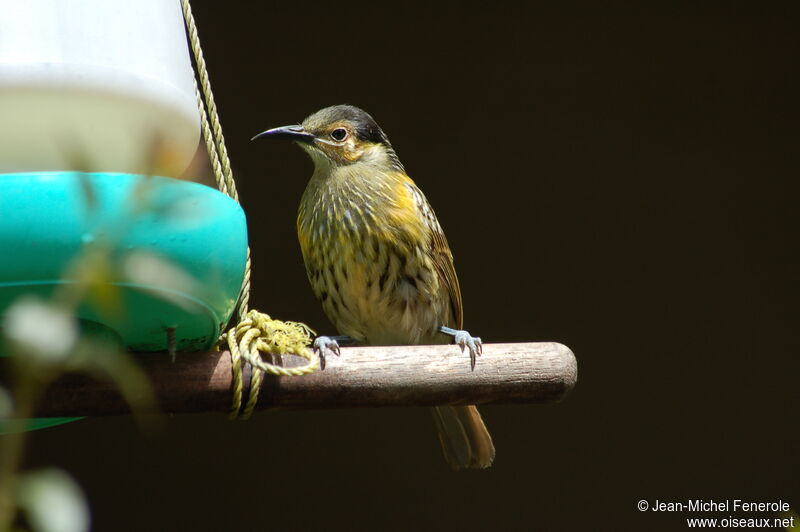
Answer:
(325, 346)
(464, 339)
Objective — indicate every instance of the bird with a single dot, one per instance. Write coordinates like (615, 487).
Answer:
(378, 260)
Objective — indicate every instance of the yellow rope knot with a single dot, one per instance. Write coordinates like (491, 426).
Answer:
(259, 334)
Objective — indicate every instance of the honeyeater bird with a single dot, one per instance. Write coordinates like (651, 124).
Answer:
(378, 259)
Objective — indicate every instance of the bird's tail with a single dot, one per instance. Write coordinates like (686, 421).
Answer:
(465, 441)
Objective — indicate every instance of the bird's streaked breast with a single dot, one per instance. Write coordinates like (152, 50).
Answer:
(364, 243)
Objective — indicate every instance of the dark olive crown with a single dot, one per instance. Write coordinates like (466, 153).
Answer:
(365, 126)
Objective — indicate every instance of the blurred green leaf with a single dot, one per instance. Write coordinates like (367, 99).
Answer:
(151, 271)
(6, 404)
(40, 331)
(94, 273)
(106, 360)
(88, 191)
(53, 502)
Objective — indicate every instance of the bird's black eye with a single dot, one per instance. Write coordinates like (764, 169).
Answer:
(339, 134)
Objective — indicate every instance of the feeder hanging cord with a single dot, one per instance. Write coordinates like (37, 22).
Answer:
(255, 332)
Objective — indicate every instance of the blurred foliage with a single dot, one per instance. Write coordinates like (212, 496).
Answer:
(53, 502)
(44, 338)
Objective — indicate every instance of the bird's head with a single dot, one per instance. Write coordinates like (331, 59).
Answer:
(338, 136)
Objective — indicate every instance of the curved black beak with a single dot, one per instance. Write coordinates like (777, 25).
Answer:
(294, 132)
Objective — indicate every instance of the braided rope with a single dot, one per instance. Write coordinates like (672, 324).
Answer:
(211, 147)
(223, 171)
(255, 332)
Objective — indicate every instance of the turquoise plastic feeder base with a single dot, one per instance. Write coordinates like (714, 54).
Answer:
(49, 218)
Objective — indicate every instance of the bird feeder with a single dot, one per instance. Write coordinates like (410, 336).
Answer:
(101, 85)
(93, 84)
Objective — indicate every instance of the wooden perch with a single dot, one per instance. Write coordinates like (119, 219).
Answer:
(361, 377)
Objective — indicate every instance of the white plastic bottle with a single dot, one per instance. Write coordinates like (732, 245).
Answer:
(102, 84)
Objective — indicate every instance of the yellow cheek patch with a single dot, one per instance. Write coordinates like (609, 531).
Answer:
(357, 148)
(352, 154)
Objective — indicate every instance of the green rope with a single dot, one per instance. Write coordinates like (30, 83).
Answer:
(255, 332)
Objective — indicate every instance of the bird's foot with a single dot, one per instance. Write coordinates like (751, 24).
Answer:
(326, 346)
(465, 340)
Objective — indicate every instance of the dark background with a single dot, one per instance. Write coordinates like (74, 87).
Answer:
(621, 181)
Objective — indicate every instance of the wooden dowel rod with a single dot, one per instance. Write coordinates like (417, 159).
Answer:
(361, 377)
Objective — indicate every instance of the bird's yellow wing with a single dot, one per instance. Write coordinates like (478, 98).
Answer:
(440, 254)
(443, 261)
